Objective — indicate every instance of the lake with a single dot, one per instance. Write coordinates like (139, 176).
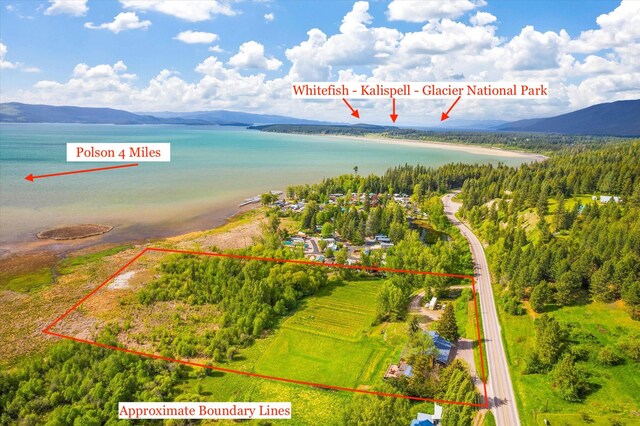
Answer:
(212, 169)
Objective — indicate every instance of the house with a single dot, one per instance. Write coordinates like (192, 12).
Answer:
(443, 346)
(381, 238)
(396, 371)
(607, 198)
(424, 419)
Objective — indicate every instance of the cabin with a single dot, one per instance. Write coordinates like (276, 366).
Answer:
(443, 348)
(425, 419)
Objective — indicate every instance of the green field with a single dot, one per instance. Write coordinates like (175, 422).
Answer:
(615, 389)
(331, 339)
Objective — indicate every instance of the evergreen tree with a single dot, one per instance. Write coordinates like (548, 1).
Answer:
(447, 326)
(569, 380)
(540, 296)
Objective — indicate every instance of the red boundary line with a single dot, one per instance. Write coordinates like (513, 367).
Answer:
(48, 331)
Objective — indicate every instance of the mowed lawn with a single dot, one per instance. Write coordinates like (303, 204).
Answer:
(616, 389)
(331, 340)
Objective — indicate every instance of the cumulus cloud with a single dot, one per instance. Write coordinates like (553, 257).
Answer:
(355, 44)
(533, 50)
(189, 10)
(619, 28)
(269, 17)
(196, 37)
(251, 55)
(68, 7)
(122, 22)
(482, 18)
(455, 42)
(423, 11)
(3, 63)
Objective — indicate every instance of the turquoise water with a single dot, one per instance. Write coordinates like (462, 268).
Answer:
(212, 169)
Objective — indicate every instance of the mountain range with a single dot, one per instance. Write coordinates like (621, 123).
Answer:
(621, 118)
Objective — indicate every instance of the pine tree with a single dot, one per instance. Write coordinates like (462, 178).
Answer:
(570, 380)
(447, 326)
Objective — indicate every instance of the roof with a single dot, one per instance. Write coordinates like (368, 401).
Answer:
(425, 422)
(442, 345)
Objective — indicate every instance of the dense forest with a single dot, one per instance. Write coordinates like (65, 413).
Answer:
(78, 384)
(512, 140)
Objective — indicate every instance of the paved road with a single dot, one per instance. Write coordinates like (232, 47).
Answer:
(502, 400)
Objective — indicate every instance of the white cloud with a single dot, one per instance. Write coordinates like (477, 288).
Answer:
(216, 49)
(69, 7)
(425, 10)
(533, 50)
(447, 35)
(251, 55)
(196, 37)
(31, 69)
(482, 18)
(443, 49)
(5, 64)
(189, 10)
(355, 44)
(619, 28)
(123, 21)
(269, 17)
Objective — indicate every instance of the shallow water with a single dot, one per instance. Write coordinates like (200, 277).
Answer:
(212, 169)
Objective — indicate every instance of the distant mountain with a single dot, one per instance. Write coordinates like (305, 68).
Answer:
(14, 112)
(621, 118)
(244, 117)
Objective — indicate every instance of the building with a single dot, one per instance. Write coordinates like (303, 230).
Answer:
(395, 371)
(432, 304)
(443, 346)
(424, 419)
(607, 199)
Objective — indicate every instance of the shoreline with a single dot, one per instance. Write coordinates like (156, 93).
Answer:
(129, 234)
(447, 146)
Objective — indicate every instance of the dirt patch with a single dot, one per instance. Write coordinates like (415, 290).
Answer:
(25, 263)
(73, 232)
(239, 236)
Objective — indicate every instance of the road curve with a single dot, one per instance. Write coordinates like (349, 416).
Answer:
(502, 401)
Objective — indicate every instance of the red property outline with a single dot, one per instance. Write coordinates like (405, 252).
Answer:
(48, 331)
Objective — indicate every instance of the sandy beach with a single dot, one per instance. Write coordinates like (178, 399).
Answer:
(471, 149)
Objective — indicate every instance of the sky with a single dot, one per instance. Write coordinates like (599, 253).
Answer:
(180, 55)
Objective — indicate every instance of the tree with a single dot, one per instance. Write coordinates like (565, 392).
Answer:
(570, 380)
(414, 324)
(396, 232)
(374, 410)
(540, 296)
(309, 216)
(327, 230)
(355, 169)
(549, 339)
(608, 356)
(447, 326)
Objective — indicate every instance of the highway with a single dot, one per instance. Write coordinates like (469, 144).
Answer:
(500, 393)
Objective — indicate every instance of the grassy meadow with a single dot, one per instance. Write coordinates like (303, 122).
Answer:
(615, 393)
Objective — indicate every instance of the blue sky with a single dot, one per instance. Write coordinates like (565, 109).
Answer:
(156, 55)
